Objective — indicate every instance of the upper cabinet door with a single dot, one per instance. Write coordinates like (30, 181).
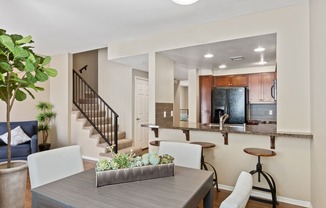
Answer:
(222, 81)
(260, 87)
(267, 83)
(231, 81)
(239, 80)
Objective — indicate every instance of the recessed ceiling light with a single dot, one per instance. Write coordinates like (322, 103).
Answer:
(223, 66)
(259, 49)
(184, 2)
(208, 55)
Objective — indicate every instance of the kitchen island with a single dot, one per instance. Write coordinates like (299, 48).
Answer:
(289, 168)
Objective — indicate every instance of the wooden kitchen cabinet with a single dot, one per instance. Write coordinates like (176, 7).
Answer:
(231, 81)
(260, 87)
(205, 87)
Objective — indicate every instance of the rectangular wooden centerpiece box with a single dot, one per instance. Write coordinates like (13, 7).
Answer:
(134, 174)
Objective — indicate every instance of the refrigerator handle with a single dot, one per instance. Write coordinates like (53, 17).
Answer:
(272, 90)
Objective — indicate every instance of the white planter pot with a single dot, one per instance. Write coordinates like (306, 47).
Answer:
(13, 184)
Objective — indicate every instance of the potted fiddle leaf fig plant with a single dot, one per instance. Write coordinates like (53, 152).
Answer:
(20, 70)
(44, 118)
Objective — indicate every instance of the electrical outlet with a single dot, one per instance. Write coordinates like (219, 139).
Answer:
(270, 112)
(164, 114)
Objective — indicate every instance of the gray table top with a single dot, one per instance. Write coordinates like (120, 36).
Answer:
(186, 189)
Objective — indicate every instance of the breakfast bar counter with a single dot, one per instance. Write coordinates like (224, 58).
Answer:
(260, 129)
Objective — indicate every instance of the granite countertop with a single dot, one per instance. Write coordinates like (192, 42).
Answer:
(260, 129)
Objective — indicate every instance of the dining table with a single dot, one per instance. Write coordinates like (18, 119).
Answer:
(187, 188)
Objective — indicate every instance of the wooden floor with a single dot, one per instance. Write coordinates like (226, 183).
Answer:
(218, 196)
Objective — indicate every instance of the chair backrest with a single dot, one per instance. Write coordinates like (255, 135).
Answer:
(241, 193)
(51, 165)
(185, 154)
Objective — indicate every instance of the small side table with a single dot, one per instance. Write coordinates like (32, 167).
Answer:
(259, 169)
(204, 164)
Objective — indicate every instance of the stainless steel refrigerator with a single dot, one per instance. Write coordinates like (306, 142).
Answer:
(231, 101)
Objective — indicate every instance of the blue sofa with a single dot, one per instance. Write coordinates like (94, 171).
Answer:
(21, 151)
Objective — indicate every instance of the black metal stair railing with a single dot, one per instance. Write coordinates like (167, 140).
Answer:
(99, 114)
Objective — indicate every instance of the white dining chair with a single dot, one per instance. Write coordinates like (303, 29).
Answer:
(185, 154)
(241, 193)
(51, 165)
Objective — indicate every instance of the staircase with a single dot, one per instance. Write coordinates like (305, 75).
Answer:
(99, 120)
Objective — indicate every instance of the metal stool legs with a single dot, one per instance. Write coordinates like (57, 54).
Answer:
(270, 181)
(204, 167)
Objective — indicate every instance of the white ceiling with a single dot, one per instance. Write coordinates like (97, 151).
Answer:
(62, 26)
(193, 57)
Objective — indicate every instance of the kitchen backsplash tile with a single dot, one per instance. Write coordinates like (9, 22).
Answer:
(262, 112)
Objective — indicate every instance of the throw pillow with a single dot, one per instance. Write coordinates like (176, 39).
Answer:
(18, 136)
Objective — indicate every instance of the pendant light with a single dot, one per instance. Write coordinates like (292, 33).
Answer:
(184, 2)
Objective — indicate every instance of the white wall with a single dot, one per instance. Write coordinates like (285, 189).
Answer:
(183, 97)
(193, 95)
(115, 87)
(176, 102)
(61, 98)
(318, 102)
(292, 28)
(164, 79)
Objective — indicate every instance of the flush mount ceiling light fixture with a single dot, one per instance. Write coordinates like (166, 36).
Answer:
(259, 49)
(223, 66)
(184, 2)
(208, 55)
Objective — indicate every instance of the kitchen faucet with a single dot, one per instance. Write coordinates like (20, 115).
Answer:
(222, 120)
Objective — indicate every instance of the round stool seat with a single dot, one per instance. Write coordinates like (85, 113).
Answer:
(260, 152)
(204, 144)
(155, 143)
(259, 169)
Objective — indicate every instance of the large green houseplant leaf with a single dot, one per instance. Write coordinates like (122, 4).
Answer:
(20, 70)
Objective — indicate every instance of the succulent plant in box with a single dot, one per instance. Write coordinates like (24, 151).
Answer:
(130, 160)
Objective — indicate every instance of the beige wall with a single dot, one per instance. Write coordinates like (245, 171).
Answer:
(290, 167)
(292, 27)
(90, 59)
(115, 87)
(164, 79)
(25, 111)
(61, 98)
(318, 102)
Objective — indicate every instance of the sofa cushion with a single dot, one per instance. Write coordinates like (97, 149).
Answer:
(18, 136)
(29, 127)
(17, 151)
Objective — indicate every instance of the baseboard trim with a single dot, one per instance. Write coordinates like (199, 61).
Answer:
(268, 196)
(89, 158)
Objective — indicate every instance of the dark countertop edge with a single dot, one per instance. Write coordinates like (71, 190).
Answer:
(276, 134)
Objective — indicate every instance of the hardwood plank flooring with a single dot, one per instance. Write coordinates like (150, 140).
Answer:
(218, 196)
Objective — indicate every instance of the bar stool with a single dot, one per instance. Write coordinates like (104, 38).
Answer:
(259, 169)
(204, 164)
